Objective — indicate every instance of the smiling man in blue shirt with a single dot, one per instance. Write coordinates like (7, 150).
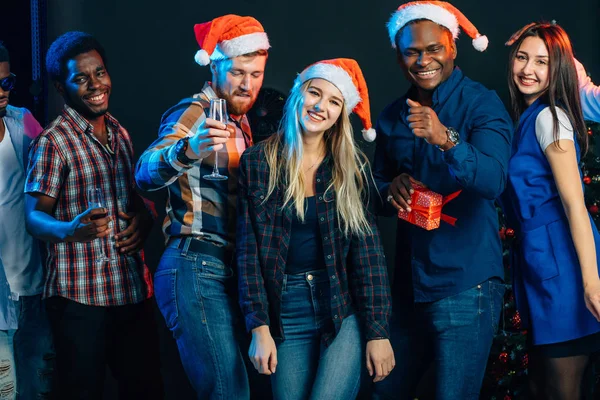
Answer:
(448, 133)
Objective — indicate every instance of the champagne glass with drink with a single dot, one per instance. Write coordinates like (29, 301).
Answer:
(218, 112)
(96, 200)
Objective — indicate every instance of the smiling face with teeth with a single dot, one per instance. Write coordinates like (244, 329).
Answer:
(530, 68)
(321, 106)
(426, 53)
(87, 85)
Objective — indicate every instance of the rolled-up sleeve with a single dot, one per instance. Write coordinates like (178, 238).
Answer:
(158, 165)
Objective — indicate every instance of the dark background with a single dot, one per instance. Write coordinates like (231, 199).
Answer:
(150, 48)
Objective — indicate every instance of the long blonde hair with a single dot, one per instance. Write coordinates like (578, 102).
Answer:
(284, 152)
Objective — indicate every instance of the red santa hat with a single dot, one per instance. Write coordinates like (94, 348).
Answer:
(440, 12)
(229, 36)
(347, 76)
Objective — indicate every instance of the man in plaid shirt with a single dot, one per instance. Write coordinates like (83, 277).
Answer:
(97, 289)
(195, 285)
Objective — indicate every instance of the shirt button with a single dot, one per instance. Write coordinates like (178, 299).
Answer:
(309, 277)
(335, 296)
(322, 219)
(325, 237)
(329, 257)
(333, 277)
(262, 197)
(203, 262)
(320, 197)
(318, 179)
(335, 316)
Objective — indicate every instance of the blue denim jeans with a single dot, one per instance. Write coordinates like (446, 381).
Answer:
(8, 376)
(306, 369)
(197, 295)
(35, 357)
(449, 338)
(27, 357)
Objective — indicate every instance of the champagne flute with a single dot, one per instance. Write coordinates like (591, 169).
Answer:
(96, 200)
(218, 112)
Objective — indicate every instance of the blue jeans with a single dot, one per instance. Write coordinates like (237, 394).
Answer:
(35, 357)
(306, 369)
(8, 376)
(27, 357)
(450, 339)
(197, 295)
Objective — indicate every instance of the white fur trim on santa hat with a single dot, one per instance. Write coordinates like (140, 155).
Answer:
(336, 75)
(241, 45)
(429, 11)
(369, 134)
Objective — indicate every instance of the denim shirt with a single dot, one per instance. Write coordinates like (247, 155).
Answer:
(451, 259)
(23, 129)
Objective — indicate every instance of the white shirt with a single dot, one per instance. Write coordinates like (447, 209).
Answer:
(21, 264)
(544, 127)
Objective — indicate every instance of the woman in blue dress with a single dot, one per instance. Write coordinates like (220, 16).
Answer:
(554, 256)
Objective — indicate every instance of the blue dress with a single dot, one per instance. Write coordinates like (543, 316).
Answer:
(546, 274)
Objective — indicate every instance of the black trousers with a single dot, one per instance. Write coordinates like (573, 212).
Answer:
(88, 338)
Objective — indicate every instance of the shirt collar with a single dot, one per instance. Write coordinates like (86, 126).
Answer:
(82, 125)
(208, 93)
(442, 92)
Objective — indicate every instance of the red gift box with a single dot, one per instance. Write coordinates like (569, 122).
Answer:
(426, 208)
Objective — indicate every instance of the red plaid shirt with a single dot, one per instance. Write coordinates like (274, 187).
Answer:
(65, 161)
(356, 265)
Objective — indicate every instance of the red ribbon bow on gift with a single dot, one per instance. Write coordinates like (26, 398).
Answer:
(433, 212)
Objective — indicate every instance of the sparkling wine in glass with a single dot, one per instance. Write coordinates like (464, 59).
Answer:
(218, 112)
(96, 200)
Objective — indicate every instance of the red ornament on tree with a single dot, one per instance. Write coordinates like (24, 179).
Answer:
(502, 233)
(503, 357)
(507, 397)
(587, 180)
(594, 209)
(525, 360)
(510, 233)
(516, 320)
(590, 132)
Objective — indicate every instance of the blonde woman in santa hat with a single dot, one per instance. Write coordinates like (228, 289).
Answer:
(312, 273)
(555, 258)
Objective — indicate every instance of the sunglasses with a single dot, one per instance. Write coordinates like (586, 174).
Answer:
(8, 83)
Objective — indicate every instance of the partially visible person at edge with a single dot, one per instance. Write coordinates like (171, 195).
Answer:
(195, 282)
(447, 133)
(554, 258)
(26, 349)
(312, 273)
(98, 289)
(589, 93)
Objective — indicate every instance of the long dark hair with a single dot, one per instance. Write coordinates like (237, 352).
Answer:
(563, 89)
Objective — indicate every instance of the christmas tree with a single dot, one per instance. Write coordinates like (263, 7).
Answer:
(506, 373)
(590, 167)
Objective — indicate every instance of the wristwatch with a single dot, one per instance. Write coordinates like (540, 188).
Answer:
(180, 148)
(453, 137)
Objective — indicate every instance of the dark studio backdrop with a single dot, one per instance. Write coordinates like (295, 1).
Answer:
(150, 47)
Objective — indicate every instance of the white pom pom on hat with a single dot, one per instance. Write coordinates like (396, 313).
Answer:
(440, 12)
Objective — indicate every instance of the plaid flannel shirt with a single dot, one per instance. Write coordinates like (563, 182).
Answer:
(65, 161)
(195, 206)
(356, 265)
